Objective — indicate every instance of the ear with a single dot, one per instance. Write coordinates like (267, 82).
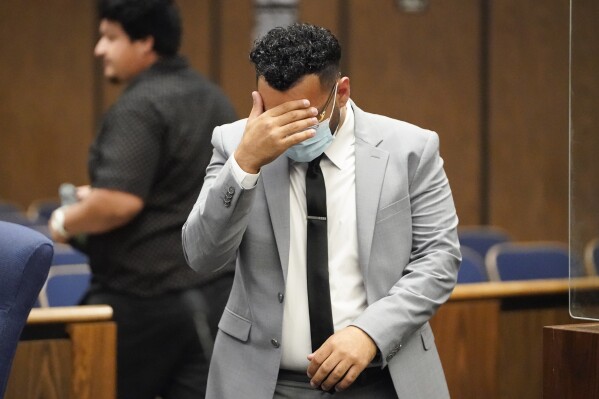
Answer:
(343, 91)
(145, 45)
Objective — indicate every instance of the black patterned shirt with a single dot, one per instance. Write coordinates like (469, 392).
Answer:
(154, 143)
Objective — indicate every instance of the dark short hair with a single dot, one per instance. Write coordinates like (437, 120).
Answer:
(285, 54)
(142, 18)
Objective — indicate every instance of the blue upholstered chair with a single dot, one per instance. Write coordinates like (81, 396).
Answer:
(65, 285)
(528, 261)
(591, 257)
(17, 217)
(68, 279)
(472, 269)
(64, 254)
(25, 257)
(481, 238)
(6, 206)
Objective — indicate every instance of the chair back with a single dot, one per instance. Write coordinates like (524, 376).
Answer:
(528, 261)
(64, 254)
(65, 285)
(591, 257)
(481, 238)
(17, 217)
(472, 268)
(25, 257)
(7, 206)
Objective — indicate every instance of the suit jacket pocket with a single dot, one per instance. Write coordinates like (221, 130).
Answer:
(393, 208)
(235, 325)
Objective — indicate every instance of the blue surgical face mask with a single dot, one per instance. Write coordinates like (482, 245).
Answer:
(311, 148)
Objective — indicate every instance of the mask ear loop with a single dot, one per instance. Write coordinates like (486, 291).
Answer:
(333, 110)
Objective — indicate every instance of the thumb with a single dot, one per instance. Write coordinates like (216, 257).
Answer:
(257, 105)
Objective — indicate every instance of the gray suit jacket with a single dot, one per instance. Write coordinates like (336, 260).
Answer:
(408, 253)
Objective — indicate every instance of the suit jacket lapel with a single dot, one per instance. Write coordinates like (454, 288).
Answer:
(275, 178)
(371, 163)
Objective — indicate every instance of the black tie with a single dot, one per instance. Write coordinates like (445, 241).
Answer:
(319, 297)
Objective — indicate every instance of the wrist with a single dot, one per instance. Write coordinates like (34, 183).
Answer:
(244, 164)
(57, 223)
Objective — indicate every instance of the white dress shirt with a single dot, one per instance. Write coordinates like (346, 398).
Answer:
(348, 296)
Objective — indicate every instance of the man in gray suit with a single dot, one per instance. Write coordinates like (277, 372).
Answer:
(390, 244)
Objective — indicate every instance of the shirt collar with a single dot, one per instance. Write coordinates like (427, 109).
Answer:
(161, 66)
(341, 149)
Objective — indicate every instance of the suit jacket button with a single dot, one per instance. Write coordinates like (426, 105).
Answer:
(281, 297)
(231, 190)
(275, 343)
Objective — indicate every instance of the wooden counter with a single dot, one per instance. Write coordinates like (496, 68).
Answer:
(66, 353)
(571, 361)
(490, 335)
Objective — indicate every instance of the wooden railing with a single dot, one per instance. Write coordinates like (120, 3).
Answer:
(66, 353)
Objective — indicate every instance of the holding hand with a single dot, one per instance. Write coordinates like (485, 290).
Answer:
(270, 133)
(341, 359)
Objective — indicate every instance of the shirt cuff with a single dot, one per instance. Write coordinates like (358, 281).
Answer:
(244, 179)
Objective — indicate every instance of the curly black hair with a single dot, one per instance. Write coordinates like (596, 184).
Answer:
(285, 54)
(142, 18)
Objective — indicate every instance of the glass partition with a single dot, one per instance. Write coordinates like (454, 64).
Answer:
(584, 159)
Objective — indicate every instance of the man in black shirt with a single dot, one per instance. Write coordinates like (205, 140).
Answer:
(146, 167)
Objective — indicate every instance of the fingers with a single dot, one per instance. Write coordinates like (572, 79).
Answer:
(257, 105)
(326, 364)
(316, 361)
(289, 106)
(293, 113)
(329, 374)
(293, 121)
(297, 137)
(285, 109)
(298, 120)
(336, 372)
(339, 361)
(346, 379)
(283, 120)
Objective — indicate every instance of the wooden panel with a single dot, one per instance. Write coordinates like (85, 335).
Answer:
(466, 335)
(94, 359)
(46, 101)
(571, 361)
(322, 13)
(520, 362)
(80, 366)
(585, 124)
(424, 68)
(197, 26)
(528, 120)
(41, 369)
(236, 74)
